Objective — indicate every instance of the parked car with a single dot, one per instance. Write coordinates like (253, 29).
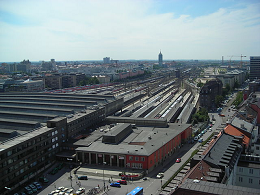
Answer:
(200, 140)
(83, 177)
(60, 166)
(80, 191)
(210, 129)
(34, 189)
(116, 184)
(60, 188)
(52, 192)
(196, 138)
(37, 185)
(124, 182)
(69, 191)
(28, 190)
(43, 179)
(178, 160)
(54, 171)
(159, 175)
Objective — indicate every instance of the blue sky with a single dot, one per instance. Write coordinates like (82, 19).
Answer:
(128, 29)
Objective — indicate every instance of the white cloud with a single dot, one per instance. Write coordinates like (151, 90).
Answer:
(90, 30)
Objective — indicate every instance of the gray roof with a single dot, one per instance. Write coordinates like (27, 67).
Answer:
(242, 124)
(214, 188)
(142, 141)
(223, 151)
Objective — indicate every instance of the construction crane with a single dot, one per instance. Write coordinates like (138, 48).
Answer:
(241, 56)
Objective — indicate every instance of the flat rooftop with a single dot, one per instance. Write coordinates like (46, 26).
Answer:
(142, 141)
(196, 187)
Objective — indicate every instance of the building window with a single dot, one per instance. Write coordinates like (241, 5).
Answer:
(9, 153)
(240, 179)
(130, 158)
(250, 180)
(257, 148)
(136, 158)
(142, 158)
(251, 171)
(240, 169)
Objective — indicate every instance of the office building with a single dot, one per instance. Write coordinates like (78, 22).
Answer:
(106, 60)
(254, 68)
(160, 59)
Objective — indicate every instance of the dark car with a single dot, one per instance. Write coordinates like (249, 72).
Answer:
(34, 189)
(54, 171)
(60, 166)
(43, 179)
(124, 182)
(37, 185)
(84, 177)
(28, 190)
(116, 184)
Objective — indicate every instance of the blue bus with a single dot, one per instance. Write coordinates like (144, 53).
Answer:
(136, 191)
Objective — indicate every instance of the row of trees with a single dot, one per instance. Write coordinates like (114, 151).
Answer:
(200, 116)
(225, 91)
(89, 81)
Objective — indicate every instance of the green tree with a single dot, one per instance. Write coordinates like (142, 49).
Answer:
(236, 84)
(224, 92)
(218, 100)
(228, 87)
(200, 84)
(239, 98)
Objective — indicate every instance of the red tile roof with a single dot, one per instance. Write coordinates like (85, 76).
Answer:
(231, 130)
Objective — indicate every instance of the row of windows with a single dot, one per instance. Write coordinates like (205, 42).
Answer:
(27, 144)
(250, 171)
(22, 170)
(250, 180)
(87, 117)
(131, 158)
(137, 165)
(27, 160)
(28, 152)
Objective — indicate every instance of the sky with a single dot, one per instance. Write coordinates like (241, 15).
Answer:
(68, 30)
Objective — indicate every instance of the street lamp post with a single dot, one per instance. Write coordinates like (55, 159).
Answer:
(70, 173)
(104, 175)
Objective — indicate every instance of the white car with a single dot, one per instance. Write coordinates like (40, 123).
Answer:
(80, 191)
(159, 175)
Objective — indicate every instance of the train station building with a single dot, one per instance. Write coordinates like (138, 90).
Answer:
(138, 147)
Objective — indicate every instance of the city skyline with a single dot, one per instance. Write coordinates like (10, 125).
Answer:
(90, 30)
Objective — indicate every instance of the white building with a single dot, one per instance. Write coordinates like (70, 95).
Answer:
(248, 172)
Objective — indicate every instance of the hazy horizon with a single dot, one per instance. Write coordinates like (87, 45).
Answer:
(128, 29)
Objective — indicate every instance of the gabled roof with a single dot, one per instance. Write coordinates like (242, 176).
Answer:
(231, 130)
(223, 151)
(204, 172)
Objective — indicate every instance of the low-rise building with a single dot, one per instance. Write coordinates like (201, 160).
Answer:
(139, 148)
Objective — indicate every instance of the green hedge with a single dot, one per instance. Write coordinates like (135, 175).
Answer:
(204, 142)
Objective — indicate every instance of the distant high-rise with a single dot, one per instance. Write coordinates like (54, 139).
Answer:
(254, 68)
(106, 60)
(160, 59)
